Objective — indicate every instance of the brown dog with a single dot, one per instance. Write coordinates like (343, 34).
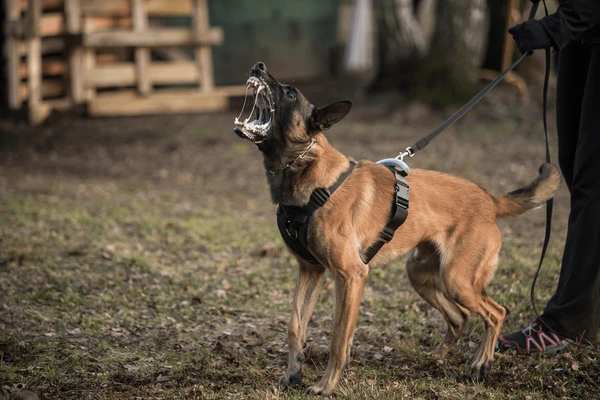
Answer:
(450, 233)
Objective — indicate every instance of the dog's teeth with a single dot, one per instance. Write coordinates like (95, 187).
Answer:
(252, 129)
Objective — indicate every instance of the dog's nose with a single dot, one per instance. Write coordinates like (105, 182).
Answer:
(259, 66)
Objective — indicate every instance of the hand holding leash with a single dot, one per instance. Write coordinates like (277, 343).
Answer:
(530, 35)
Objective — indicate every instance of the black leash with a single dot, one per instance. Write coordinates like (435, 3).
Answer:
(421, 144)
(549, 203)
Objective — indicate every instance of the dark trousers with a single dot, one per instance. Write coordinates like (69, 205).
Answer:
(574, 310)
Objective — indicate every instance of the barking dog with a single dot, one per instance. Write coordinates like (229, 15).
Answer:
(450, 235)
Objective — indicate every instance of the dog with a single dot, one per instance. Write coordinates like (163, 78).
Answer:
(450, 234)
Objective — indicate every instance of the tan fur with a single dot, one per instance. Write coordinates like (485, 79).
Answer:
(450, 235)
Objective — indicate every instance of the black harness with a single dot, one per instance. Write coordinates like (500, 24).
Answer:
(293, 221)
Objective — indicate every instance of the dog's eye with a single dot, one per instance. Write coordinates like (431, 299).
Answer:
(291, 94)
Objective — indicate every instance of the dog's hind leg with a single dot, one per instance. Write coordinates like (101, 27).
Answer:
(350, 278)
(308, 286)
(493, 316)
(423, 268)
(465, 277)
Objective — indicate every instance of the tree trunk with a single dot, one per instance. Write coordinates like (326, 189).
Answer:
(400, 42)
(449, 73)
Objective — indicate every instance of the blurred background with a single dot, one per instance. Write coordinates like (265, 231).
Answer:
(135, 57)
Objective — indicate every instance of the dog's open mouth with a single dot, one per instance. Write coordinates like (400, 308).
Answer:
(258, 123)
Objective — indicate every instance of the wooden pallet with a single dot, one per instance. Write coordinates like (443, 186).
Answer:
(116, 56)
(35, 76)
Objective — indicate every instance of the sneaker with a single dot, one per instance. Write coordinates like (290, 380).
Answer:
(536, 338)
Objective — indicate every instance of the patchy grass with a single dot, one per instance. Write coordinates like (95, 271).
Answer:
(139, 258)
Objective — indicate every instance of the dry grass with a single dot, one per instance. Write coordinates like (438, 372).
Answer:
(139, 258)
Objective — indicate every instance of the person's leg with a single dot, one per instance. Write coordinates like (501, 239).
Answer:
(573, 63)
(574, 310)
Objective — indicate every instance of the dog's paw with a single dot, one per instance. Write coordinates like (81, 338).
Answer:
(288, 380)
(319, 390)
(479, 372)
(314, 390)
(442, 350)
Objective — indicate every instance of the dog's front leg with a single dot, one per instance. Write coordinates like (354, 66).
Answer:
(310, 279)
(349, 284)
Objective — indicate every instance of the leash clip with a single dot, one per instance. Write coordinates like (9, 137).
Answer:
(398, 165)
(407, 152)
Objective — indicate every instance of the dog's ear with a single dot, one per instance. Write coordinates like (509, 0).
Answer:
(323, 118)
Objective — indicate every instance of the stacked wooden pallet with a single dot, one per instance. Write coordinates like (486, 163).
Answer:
(116, 56)
(27, 39)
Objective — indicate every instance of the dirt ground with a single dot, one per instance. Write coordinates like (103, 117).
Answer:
(139, 258)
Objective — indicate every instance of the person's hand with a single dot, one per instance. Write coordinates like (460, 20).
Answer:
(530, 35)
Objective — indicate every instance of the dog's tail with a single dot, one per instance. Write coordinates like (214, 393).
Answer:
(531, 196)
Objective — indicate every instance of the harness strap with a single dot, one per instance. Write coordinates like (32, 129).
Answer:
(292, 221)
(399, 215)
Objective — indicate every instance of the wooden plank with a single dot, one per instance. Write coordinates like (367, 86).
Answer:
(124, 74)
(75, 53)
(203, 53)
(142, 54)
(46, 4)
(181, 101)
(107, 58)
(157, 37)
(34, 53)
(36, 109)
(48, 88)
(52, 4)
(89, 60)
(168, 7)
(105, 7)
(174, 73)
(13, 54)
(52, 24)
(50, 67)
(73, 16)
(89, 63)
(122, 8)
(50, 45)
(104, 23)
(111, 75)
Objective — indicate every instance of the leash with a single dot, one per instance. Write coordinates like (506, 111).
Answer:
(550, 202)
(421, 144)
